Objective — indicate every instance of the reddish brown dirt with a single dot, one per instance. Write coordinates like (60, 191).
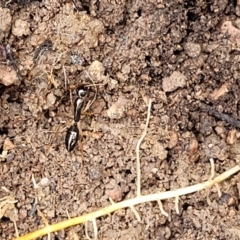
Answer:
(184, 55)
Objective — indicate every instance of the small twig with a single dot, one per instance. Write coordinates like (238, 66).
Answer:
(222, 116)
(138, 147)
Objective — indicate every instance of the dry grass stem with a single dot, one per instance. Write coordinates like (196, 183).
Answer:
(65, 78)
(44, 219)
(95, 230)
(212, 176)
(163, 212)
(16, 229)
(110, 199)
(177, 204)
(86, 231)
(132, 208)
(130, 202)
(212, 169)
(134, 201)
(135, 213)
(138, 147)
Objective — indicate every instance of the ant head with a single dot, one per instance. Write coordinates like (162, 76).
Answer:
(82, 91)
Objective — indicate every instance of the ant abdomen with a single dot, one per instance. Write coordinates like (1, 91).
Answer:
(72, 136)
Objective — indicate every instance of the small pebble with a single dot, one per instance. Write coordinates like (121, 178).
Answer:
(192, 49)
(44, 182)
(232, 137)
(171, 83)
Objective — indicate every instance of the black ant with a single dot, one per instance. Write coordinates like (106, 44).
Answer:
(72, 134)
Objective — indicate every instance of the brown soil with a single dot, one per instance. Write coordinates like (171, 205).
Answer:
(184, 55)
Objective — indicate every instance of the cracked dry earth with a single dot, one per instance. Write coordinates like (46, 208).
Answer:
(184, 55)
